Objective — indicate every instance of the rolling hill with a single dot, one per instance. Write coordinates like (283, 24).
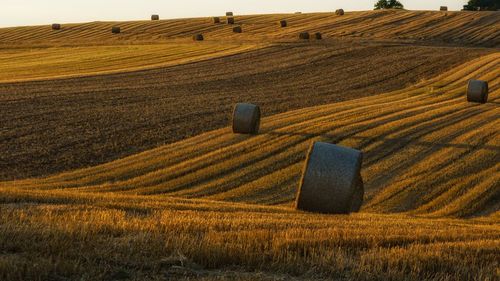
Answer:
(118, 163)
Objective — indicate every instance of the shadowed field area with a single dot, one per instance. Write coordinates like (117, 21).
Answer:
(56, 125)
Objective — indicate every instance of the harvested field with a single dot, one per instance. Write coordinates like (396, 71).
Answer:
(139, 175)
(462, 28)
(56, 125)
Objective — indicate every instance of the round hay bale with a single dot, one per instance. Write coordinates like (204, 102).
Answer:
(339, 12)
(246, 118)
(237, 29)
(229, 14)
(477, 91)
(155, 17)
(216, 20)
(304, 35)
(198, 37)
(331, 180)
(283, 23)
(230, 20)
(298, 13)
(443, 8)
(116, 30)
(56, 26)
(318, 36)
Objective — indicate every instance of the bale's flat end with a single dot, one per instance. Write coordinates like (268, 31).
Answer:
(477, 91)
(331, 180)
(246, 118)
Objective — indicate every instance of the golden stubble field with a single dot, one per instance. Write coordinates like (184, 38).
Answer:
(139, 177)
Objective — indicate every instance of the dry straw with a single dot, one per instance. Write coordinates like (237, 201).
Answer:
(283, 23)
(198, 37)
(230, 20)
(56, 26)
(443, 8)
(246, 118)
(155, 17)
(477, 91)
(339, 12)
(237, 29)
(331, 180)
(115, 30)
(318, 36)
(216, 20)
(304, 35)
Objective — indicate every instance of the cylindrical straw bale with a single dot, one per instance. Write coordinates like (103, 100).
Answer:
(318, 36)
(216, 20)
(155, 17)
(237, 29)
(198, 37)
(115, 30)
(443, 8)
(477, 91)
(230, 20)
(331, 180)
(56, 26)
(229, 14)
(246, 118)
(304, 35)
(283, 23)
(339, 12)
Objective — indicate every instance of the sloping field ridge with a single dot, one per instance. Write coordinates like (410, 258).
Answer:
(474, 28)
(427, 151)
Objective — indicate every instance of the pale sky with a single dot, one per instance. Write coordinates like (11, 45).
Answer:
(34, 12)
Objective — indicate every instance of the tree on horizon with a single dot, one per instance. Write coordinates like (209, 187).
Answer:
(388, 4)
(483, 5)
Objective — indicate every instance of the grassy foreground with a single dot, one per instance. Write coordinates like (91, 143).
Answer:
(71, 236)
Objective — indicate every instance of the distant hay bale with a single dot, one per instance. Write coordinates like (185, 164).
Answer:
(56, 26)
(155, 17)
(298, 13)
(116, 30)
(246, 118)
(304, 35)
(237, 29)
(339, 12)
(283, 23)
(331, 180)
(318, 36)
(443, 8)
(216, 20)
(229, 14)
(477, 91)
(230, 20)
(198, 37)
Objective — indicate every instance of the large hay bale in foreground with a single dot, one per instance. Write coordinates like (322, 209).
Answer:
(331, 180)
(283, 23)
(477, 91)
(216, 20)
(246, 118)
(198, 37)
(237, 29)
(318, 36)
(116, 30)
(339, 12)
(304, 35)
(230, 20)
(229, 14)
(443, 8)
(155, 17)
(56, 26)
